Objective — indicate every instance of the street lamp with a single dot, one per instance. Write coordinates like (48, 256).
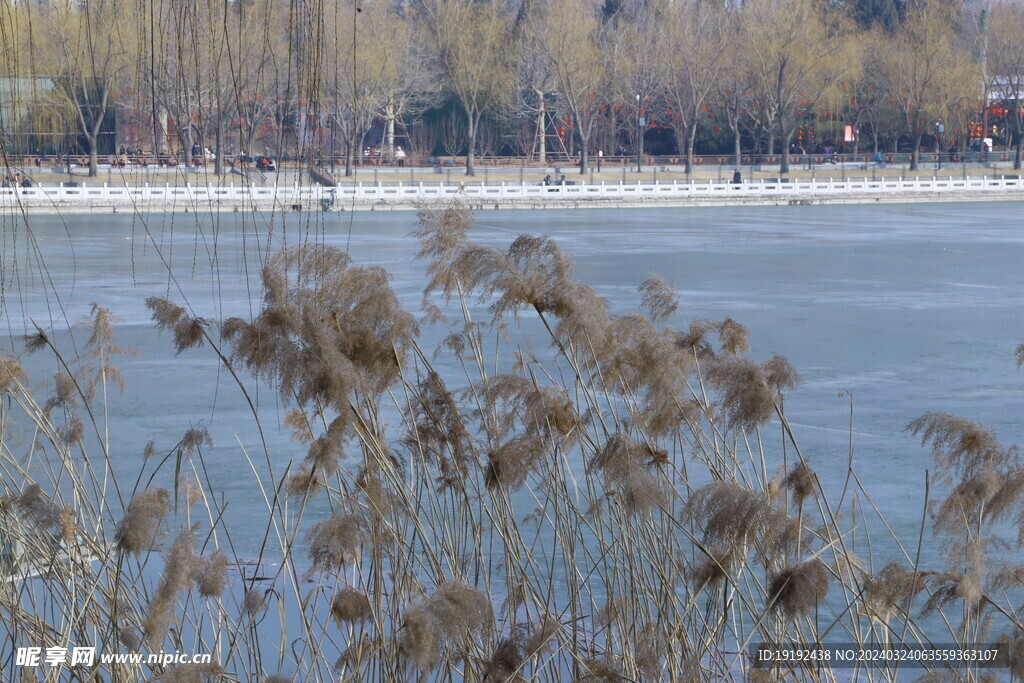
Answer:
(639, 131)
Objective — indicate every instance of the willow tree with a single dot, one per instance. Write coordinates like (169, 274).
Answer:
(928, 74)
(470, 43)
(363, 55)
(632, 51)
(1006, 63)
(693, 37)
(90, 48)
(570, 32)
(797, 51)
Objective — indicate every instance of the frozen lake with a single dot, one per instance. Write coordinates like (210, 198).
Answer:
(910, 308)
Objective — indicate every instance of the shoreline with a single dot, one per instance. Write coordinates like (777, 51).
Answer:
(483, 197)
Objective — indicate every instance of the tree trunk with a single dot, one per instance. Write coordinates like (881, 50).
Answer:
(94, 155)
(691, 137)
(389, 137)
(784, 164)
(186, 143)
(218, 140)
(349, 158)
(1017, 150)
(542, 128)
(915, 156)
(584, 153)
(471, 135)
(736, 147)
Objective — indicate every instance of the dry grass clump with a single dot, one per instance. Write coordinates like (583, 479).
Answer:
(800, 588)
(597, 670)
(626, 465)
(443, 234)
(141, 522)
(659, 296)
(639, 359)
(648, 648)
(510, 463)
(34, 505)
(441, 433)
(253, 602)
(72, 431)
(732, 336)
(891, 591)
(65, 393)
(349, 606)
(532, 273)
(1013, 645)
(713, 567)
(454, 611)
(543, 637)
(189, 332)
(11, 374)
(542, 410)
(747, 400)
(212, 575)
(950, 587)
(195, 438)
(734, 518)
(505, 662)
(959, 445)
(335, 542)
(180, 566)
(802, 483)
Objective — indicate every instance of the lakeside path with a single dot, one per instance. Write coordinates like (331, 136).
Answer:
(401, 196)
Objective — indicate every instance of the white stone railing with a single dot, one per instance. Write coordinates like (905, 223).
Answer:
(414, 191)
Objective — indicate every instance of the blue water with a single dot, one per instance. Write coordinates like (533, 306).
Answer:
(909, 308)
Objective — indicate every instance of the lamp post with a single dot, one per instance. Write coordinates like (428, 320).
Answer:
(639, 132)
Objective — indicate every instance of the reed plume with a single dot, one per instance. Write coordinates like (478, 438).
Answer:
(799, 588)
(180, 565)
(11, 374)
(891, 591)
(454, 611)
(959, 445)
(505, 662)
(734, 519)
(212, 575)
(659, 296)
(335, 542)
(141, 522)
(626, 465)
(349, 606)
(747, 400)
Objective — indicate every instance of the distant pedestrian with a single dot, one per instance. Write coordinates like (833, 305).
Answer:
(400, 156)
(600, 156)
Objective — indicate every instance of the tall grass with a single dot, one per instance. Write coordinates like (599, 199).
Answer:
(637, 507)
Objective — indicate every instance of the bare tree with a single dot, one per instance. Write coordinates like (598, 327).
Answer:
(570, 33)
(927, 73)
(796, 52)
(1005, 56)
(94, 43)
(363, 59)
(470, 41)
(693, 39)
(453, 132)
